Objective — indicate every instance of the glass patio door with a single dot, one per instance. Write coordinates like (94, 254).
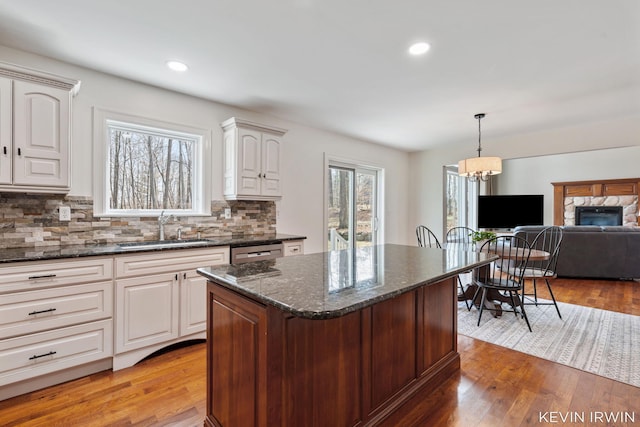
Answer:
(352, 219)
(460, 198)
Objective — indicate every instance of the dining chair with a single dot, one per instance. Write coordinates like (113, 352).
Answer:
(426, 238)
(494, 278)
(548, 240)
(462, 237)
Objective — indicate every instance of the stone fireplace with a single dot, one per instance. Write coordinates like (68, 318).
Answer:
(597, 197)
(598, 215)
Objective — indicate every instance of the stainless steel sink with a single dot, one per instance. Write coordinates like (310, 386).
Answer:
(159, 244)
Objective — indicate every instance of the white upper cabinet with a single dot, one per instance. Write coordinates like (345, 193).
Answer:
(252, 160)
(6, 138)
(41, 135)
(35, 127)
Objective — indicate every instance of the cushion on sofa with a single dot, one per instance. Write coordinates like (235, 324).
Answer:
(620, 228)
(593, 251)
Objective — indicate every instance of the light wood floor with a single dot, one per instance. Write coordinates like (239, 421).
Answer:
(496, 386)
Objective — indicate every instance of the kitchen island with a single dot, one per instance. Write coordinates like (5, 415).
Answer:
(341, 338)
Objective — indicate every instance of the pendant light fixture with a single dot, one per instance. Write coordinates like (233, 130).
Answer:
(479, 168)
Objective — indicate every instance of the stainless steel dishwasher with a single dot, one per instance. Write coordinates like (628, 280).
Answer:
(242, 254)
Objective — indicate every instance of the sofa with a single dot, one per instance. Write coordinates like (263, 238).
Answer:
(595, 252)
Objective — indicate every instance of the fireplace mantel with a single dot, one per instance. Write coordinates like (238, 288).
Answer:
(595, 188)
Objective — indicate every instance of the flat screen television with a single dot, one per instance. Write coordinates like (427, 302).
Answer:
(506, 212)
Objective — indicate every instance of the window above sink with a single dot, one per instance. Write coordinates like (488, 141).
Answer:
(144, 166)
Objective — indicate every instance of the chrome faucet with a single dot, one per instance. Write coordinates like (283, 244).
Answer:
(162, 220)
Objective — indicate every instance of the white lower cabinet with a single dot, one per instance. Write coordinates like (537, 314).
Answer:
(147, 311)
(55, 322)
(160, 300)
(293, 247)
(193, 311)
(33, 355)
(67, 318)
(34, 311)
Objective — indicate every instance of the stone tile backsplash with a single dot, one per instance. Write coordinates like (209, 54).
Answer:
(28, 220)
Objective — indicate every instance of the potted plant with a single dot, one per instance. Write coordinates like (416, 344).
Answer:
(479, 237)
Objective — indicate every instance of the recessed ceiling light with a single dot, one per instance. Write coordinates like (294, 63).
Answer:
(177, 66)
(419, 48)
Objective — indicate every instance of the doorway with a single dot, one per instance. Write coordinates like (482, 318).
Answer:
(460, 198)
(352, 206)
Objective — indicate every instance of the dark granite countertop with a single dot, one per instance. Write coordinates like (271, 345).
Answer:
(61, 252)
(332, 284)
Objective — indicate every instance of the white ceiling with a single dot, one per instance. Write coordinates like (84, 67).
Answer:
(343, 65)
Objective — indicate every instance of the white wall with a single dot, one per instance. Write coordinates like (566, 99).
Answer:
(516, 177)
(539, 158)
(301, 209)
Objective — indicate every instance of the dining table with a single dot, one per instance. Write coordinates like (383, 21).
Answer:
(494, 298)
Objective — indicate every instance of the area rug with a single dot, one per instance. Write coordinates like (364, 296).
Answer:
(602, 342)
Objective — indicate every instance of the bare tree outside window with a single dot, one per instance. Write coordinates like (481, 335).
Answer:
(352, 214)
(150, 169)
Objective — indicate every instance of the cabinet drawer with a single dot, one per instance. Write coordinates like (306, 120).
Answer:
(293, 247)
(170, 261)
(37, 354)
(39, 310)
(35, 275)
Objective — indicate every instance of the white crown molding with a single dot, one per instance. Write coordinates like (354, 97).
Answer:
(234, 121)
(14, 71)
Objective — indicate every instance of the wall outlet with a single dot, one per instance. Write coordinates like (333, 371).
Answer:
(65, 213)
(227, 213)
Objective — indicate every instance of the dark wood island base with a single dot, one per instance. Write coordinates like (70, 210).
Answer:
(340, 338)
(267, 367)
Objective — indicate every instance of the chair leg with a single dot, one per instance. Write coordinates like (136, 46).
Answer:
(484, 295)
(553, 297)
(524, 313)
(466, 302)
(513, 304)
(475, 295)
(530, 296)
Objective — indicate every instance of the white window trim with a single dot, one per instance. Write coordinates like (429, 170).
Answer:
(467, 200)
(331, 160)
(202, 167)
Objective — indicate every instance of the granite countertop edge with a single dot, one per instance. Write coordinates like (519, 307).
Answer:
(329, 314)
(41, 253)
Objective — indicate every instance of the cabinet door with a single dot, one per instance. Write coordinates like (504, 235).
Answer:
(146, 311)
(6, 143)
(271, 149)
(237, 358)
(249, 162)
(41, 118)
(193, 303)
